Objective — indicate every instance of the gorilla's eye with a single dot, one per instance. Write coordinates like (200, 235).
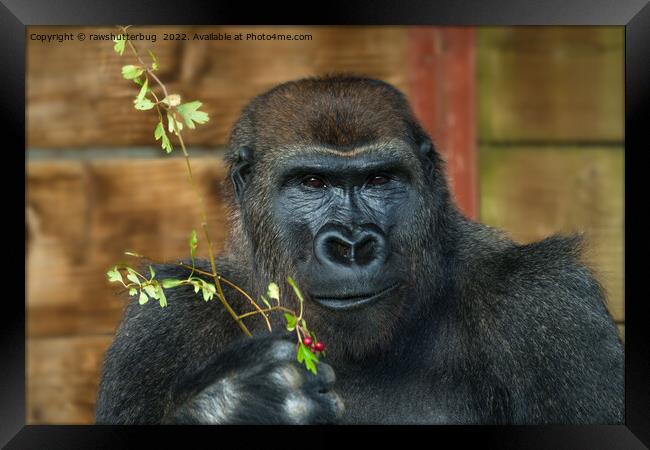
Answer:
(378, 180)
(313, 182)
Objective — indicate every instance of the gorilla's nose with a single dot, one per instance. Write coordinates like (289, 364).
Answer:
(363, 247)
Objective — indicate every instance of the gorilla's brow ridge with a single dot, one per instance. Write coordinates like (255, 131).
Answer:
(392, 145)
(378, 146)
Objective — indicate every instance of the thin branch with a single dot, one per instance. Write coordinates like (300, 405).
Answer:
(197, 192)
(250, 299)
(266, 310)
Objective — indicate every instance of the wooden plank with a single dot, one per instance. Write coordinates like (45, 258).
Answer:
(441, 67)
(82, 216)
(551, 83)
(62, 378)
(76, 96)
(532, 193)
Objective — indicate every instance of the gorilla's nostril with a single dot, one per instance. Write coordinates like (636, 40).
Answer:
(339, 251)
(365, 251)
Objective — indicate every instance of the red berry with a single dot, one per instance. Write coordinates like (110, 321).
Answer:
(307, 341)
(319, 346)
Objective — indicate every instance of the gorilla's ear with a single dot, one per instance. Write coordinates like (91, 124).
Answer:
(241, 171)
(428, 157)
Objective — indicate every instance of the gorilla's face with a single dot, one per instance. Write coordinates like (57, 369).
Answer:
(338, 187)
(352, 227)
(345, 215)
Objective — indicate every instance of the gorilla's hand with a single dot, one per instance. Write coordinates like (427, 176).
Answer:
(258, 380)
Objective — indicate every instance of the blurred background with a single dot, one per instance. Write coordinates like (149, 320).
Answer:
(530, 121)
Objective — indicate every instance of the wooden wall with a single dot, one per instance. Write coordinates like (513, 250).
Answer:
(97, 187)
(222, 74)
(551, 141)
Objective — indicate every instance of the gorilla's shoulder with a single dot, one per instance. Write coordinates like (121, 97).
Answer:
(556, 251)
(555, 265)
(541, 324)
(545, 288)
(551, 270)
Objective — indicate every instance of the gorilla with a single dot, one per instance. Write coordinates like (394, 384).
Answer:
(428, 316)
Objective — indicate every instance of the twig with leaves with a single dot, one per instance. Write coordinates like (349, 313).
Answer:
(170, 107)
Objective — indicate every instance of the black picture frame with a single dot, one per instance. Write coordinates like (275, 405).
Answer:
(15, 15)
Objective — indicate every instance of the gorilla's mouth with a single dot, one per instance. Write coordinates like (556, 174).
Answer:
(352, 301)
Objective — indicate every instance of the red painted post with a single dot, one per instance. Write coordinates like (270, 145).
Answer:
(443, 96)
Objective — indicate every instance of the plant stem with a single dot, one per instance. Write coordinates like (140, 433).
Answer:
(265, 310)
(204, 220)
(259, 310)
(250, 299)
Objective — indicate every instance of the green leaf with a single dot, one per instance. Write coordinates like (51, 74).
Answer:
(162, 299)
(170, 124)
(190, 113)
(273, 291)
(295, 289)
(197, 286)
(168, 283)
(166, 145)
(194, 243)
(133, 291)
(143, 91)
(266, 302)
(152, 272)
(291, 321)
(306, 356)
(151, 291)
(207, 292)
(158, 133)
(120, 42)
(130, 71)
(132, 276)
(154, 63)
(143, 298)
(114, 275)
(144, 104)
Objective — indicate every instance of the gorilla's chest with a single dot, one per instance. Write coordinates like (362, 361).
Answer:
(409, 399)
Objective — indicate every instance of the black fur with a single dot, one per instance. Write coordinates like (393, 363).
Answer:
(480, 330)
